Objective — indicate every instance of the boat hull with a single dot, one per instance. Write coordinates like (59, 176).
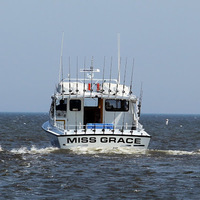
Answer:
(98, 140)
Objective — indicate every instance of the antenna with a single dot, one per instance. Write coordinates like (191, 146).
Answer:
(119, 58)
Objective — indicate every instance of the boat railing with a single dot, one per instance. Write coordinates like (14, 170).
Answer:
(81, 80)
(95, 127)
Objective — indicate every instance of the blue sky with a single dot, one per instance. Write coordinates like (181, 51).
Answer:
(162, 37)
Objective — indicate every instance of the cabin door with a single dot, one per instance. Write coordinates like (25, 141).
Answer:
(93, 110)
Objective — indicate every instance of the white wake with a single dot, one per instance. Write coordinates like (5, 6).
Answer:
(86, 150)
(33, 150)
(174, 152)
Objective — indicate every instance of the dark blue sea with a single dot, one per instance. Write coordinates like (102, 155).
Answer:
(30, 168)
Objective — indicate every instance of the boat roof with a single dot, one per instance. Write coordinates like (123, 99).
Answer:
(94, 88)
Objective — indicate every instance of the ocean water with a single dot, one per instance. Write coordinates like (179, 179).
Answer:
(30, 168)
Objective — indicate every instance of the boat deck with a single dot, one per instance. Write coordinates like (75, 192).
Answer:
(94, 131)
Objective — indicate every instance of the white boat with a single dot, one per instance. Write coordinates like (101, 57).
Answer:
(95, 113)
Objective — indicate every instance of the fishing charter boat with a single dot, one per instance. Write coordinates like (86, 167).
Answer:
(95, 113)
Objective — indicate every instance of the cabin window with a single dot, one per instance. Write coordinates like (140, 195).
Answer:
(116, 105)
(62, 106)
(75, 105)
(91, 102)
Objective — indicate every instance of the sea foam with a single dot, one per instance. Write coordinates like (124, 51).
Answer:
(119, 150)
(33, 150)
(174, 152)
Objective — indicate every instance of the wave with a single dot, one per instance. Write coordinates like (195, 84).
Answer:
(121, 150)
(126, 150)
(86, 150)
(173, 152)
(33, 150)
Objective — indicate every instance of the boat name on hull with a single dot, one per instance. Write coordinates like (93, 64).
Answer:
(127, 140)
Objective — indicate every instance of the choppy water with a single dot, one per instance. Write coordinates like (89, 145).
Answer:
(30, 168)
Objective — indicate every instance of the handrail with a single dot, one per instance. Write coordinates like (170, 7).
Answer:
(86, 79)
(97, 126)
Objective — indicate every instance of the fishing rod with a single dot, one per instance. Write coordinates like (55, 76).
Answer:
(123, 91)
(69, 77)
(84, 90)
(130, 93)
(118, 78)
(131, 82)
(69, 82)
(91, 76)
(140, 101)
(109, 90)
(54, 109)
(110, 76)
(76, 120)
(102, 91)
(119, 59)
(77, 77)
(61, 67)
(104, 63)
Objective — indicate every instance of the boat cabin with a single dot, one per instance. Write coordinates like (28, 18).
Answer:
(80, 105)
